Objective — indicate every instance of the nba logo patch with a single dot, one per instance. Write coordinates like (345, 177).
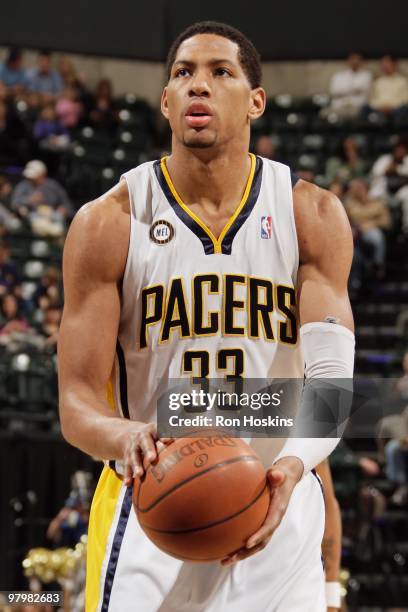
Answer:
(266, 227)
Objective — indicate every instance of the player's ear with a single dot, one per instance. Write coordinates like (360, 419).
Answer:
(257, 103)
(163, 104)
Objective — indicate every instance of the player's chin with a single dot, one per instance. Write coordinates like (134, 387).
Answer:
(203, 139)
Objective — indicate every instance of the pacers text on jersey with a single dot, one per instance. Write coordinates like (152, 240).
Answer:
(169, 308)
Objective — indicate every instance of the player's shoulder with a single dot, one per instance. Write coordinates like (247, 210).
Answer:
(106, 209)
(98, 236)
(114, 205)
(315, 204)
(321, 220)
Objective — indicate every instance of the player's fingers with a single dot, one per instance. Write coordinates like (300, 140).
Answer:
(272, 521)
(166, 441)
(243, 553)
(136, 462)
(275, 477)
(127, 471)
(148, 448)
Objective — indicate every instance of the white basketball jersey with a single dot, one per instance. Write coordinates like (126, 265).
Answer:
(194, 305)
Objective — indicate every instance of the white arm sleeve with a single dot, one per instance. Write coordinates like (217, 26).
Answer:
(328, 349)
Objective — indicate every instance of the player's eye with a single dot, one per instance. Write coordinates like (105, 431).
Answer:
(181, 72)
(222, 72)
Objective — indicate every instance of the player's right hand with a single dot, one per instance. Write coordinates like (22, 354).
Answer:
(141, 446)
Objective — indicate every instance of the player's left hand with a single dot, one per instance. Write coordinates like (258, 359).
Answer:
(282, 479)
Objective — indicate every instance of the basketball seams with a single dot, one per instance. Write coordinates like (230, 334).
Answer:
(209, 525)
(246, 458)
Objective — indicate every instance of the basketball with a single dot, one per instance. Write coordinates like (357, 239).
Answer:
(203, 497)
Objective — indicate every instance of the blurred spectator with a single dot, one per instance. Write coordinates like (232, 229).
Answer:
(44, 79)
(370, 217)
(394, 428)
(48, 127)
(13, 136)
(390, 91)
(103, 113)
(348, 164)
(401, 385)
(11, 317)
(5, 191)
(72, 520)
(49, 290)
(349, 88)
(266, 147)
(306, 174)
(10, 277)
(51, 323)
(390, 179)
(337, 187)
(37, 189)
(8, 220)
(12, 74)
(69, 108)
(69, 75)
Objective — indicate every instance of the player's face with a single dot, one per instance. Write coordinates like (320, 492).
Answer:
(208, 100)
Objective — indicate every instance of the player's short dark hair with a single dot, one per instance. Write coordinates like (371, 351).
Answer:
(247, 54)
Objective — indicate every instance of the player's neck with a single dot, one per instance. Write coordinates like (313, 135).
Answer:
(201, 177)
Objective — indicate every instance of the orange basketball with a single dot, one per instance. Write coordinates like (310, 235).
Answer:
(203, 498)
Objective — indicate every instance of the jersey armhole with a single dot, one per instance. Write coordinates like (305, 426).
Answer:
(294, 178)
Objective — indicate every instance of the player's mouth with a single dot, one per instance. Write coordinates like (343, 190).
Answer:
(198, 115)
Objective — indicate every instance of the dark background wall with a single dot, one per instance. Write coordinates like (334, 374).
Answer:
(144, 30)
(35, 480)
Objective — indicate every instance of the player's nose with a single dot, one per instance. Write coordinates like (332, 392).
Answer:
(199, 85)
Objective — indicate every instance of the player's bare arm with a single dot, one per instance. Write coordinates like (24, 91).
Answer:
(325, 254)
(94, 262)
(331, 544)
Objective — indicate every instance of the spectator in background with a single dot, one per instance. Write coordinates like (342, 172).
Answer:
(349, 88)
(75, 82)
(49, 290)
(394, 428)
(390, 91)
(266, 147)
(103, 113)
(369, 217)
(51, 324)
(37, 189)
(8, 220)
(11, 317)
(48, 127)
(401, 385)
(12, 74)
(10, 277)
(69, 108)
(14, 145)
(70, 76)
(306, 174)
(44, 79)
(390, 179)
(337, 187)
(348, 164)
(5, 191)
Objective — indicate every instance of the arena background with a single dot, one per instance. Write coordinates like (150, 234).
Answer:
(302, 45)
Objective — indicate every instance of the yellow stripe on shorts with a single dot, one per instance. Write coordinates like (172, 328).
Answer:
(100, 523)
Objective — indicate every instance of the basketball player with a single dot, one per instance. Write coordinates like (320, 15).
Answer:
(210, 261)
